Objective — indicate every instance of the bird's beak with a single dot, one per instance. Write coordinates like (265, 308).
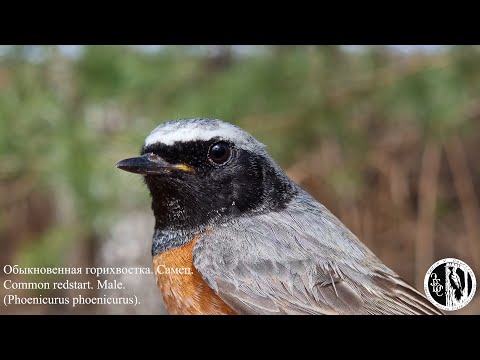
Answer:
(149, 164)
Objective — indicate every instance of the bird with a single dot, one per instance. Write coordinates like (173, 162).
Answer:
(235, 235)
(456, 283)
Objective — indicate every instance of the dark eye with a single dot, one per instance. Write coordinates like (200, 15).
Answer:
(219, 152)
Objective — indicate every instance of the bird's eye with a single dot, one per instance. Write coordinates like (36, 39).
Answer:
(220, 152)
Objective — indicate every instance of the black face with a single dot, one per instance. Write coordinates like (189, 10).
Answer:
(196, 182)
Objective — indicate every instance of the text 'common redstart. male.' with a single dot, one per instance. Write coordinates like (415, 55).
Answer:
(234, 235)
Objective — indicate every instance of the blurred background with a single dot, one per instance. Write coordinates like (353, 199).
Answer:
(387, 137)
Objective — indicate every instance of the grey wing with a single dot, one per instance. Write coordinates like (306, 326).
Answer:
(274, 266)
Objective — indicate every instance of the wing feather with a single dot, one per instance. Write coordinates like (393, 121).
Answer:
(289, 263)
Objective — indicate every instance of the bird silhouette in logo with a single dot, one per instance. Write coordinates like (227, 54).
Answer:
(456, 283)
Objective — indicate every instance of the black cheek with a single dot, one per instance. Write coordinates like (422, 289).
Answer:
(221, 183)
(245, 186)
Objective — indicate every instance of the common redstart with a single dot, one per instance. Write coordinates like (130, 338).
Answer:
(234, 235)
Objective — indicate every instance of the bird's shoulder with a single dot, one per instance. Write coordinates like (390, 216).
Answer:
(304, 231)
(301, 259)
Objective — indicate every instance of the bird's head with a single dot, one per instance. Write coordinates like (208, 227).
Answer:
(204, 170)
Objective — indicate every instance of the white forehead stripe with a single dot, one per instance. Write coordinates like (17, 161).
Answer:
(188, 130)
(188, 134)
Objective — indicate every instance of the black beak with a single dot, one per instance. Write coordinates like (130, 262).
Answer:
(149, 164)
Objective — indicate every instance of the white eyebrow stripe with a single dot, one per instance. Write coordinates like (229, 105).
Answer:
(168, 134)
(189, 134)
(202, 129)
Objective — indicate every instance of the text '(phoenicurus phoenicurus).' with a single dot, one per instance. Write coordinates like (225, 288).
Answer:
(234, 235)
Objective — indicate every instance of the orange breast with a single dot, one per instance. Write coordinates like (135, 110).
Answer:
(183, 289)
